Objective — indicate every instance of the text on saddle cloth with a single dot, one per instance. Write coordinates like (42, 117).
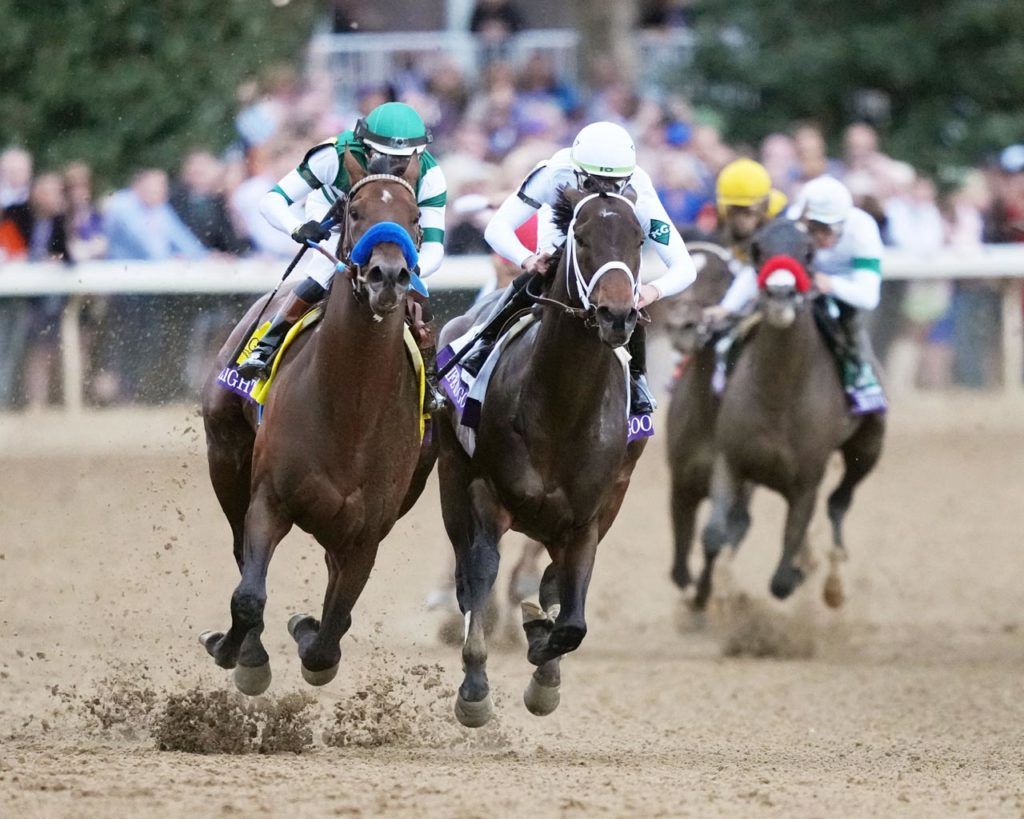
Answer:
(257, 389)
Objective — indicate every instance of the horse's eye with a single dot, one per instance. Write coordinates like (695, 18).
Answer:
(354, 214)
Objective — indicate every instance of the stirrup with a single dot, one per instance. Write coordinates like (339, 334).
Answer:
(255, 366)
(641, 400)
(474, 361)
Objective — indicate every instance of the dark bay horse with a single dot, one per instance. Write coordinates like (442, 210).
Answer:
(338, 452)
(552, 459)
(782, 415)
(693, 405)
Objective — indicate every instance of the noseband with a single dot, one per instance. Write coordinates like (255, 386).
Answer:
(584, 288)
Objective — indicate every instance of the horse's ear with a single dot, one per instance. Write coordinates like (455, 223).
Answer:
(573, 196)
(412, 171)
(755, 253)
(352, 167)
(630, 193)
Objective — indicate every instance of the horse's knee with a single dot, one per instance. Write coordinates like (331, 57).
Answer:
(785, 580)
(247, 607)
(714, 538)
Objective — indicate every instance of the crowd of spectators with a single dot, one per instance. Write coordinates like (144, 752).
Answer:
(489, 131)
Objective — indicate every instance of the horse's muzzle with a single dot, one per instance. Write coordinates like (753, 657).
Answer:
(387, 285)
(779, 305)
(615, 324)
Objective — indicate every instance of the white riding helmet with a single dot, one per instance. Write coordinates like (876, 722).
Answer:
(827, 200)
(604, 149)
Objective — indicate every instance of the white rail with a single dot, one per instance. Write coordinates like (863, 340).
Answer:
(1002, 262)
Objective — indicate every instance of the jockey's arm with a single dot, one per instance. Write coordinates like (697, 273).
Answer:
(664, 237)
(536, 191)
(433, 197)
(742, 291)
(319, 168)
(862, 288)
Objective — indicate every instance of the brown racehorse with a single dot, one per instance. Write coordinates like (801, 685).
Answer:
(693, 407)
(551, 459)
(338, 451)
(782, 415)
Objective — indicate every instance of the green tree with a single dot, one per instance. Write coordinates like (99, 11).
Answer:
(129, 83)
(943, 79)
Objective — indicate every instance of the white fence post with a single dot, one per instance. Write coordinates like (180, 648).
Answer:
(1013, 336)
(72, 370)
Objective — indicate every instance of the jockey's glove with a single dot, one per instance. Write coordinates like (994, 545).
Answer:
(312, 231)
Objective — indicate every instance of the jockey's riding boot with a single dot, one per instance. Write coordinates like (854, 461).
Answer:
(517, 300)
(260, 360)
(641, 400)
(433, 398)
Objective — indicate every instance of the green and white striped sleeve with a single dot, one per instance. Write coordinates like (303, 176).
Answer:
(433, 197)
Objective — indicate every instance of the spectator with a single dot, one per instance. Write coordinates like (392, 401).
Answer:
(860, 146)
(245, 200)
(1007, 218)
(667, 14)
(198, 200)
(537, 81)
(84, 224)
(494, 21)
(15, 177)
(141, 224)
(812, 155)
(779, 157)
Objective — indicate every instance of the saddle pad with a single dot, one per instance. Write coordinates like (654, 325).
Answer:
(257, 389)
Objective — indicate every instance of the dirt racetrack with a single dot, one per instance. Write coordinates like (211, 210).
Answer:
(910, 701)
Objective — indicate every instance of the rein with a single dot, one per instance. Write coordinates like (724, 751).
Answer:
(584, 289)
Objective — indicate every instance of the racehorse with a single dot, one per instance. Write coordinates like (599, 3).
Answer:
(693, 406)
(338, 452)
(782, 415)
(551, 459)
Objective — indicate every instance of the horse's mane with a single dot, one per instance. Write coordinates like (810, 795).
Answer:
(382, 163)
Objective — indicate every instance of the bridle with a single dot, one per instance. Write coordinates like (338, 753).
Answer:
(354, 271)
(574, 274)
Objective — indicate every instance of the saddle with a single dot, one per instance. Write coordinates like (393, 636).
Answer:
(417, 334)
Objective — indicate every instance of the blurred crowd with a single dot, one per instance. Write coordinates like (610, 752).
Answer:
(489, 130)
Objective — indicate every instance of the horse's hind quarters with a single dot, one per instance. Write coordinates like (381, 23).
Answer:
(474, 714)
(252, 681)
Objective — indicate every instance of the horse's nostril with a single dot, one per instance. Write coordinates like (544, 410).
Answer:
(605, 314)
(404, 277)
(633, 316)
(375, 275)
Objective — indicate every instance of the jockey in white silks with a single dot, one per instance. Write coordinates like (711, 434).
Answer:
(602, 159)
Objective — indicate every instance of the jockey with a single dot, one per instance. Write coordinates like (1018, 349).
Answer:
(746, 203)
(848, 270)
(602, 159)
(392, 129)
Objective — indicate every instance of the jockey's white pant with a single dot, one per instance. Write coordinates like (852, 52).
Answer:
(313, 264)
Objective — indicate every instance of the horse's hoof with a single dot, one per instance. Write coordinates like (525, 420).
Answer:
(541, 700)
(785, 581)
(474, 714)
(252, 681)
(297, 621)
(564, 639)
(320, 677)
(833, 594)
(208, 637)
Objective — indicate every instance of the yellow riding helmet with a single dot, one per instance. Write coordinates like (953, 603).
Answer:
(743, 183)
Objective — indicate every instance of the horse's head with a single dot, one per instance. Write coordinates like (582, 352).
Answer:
(382, 193)
(782, 251)
(688, 329)
(602, 255)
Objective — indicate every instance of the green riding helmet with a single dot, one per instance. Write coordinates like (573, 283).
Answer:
(393, 128)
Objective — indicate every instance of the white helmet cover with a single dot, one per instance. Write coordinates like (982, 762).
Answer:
(826, 200)
(604, 149)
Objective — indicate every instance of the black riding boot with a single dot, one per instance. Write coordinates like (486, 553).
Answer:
(641, 400)
(433, 398)
(519, 300)
(261, 359)
(843, 333)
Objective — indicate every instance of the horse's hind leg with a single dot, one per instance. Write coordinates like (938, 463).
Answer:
(265, 526)
(319, 642)
(684, 520)
(229, 444)
(788, 575)
(860, 455)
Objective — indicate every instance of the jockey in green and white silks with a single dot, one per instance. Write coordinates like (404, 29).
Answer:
(602, 159)
(392, 129)
(847, 270)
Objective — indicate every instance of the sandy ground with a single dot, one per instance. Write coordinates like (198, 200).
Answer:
(910, 701)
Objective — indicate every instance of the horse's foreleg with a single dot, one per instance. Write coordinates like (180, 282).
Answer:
(788, 575)
(860, 454)
(726, 493)
(265, 526)
(684, 519)
(475, 534)
(542, 693)
(320, 642)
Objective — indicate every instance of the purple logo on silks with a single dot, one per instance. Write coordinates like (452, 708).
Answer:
(229, 379)
(640, 426)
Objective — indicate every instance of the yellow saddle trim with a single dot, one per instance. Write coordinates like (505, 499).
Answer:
(310, 317)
